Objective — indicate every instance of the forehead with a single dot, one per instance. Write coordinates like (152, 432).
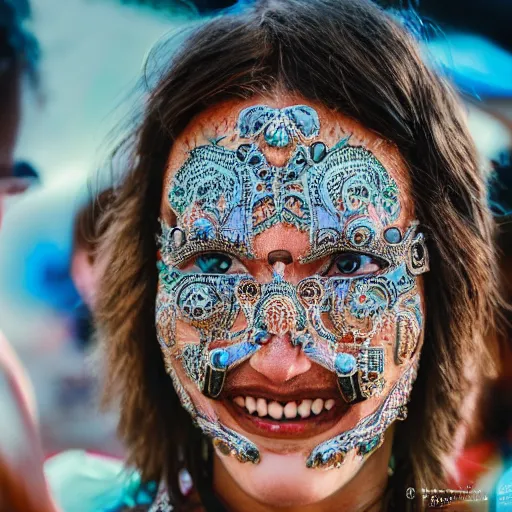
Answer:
(221, 123)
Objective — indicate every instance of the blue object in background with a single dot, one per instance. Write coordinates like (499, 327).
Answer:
(478, 66)
(46, 276)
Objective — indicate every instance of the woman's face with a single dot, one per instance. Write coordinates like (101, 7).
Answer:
(289, 307)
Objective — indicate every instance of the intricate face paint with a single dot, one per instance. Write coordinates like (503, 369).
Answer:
(347, 201)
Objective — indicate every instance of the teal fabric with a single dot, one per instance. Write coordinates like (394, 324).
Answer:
(81, 482)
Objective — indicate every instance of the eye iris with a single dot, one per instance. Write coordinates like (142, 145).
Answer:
(348, 264)
(214, 263)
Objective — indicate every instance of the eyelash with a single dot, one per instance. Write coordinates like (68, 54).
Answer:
(370, 260)
(193, 261)
(359, 260)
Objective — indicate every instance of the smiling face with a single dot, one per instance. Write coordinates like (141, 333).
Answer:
(289, 307)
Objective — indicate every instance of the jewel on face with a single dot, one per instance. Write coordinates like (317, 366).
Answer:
(345, 364)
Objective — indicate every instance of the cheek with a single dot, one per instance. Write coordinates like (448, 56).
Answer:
(185, 333)
(185, 387)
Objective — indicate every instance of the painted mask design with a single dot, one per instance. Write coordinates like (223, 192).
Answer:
(347, 201)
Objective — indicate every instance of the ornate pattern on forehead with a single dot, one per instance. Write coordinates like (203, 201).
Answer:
(352, 198)
(223, 198)
(208, 192)
(279, 127)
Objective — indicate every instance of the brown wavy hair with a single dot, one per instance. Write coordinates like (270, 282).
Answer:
(360, 60)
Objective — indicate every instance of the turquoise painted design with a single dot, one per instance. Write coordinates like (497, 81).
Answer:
(280, 127)
(343, 196)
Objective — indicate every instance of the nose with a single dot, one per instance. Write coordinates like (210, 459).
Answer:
(279, 361)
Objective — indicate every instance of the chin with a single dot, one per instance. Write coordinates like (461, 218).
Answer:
(285, 481)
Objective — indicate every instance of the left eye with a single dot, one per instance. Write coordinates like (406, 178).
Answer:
(354, 264)
(214, 263)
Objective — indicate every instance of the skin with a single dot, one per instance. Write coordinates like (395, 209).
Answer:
(281, 480)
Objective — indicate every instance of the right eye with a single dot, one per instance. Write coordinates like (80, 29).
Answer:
(353, 264)
(214, 263)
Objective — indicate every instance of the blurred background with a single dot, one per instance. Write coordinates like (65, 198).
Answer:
(91, 54)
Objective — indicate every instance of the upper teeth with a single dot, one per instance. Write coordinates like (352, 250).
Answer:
(289, 410)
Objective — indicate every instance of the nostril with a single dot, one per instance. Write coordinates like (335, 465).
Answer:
(281, 256)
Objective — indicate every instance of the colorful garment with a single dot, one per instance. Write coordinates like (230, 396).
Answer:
(82, 482)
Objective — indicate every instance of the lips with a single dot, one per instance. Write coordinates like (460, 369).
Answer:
(302, 407)
(284, 418)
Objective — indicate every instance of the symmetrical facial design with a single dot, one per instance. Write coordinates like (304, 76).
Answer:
(348, 204)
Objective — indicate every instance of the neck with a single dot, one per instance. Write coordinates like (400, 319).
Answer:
(363, 493)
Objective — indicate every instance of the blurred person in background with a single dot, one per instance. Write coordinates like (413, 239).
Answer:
(87, 230)
(22, 486)
(18, 53)
(77, 389)
(296, 169)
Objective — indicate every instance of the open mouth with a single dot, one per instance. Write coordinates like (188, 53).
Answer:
(285, 419)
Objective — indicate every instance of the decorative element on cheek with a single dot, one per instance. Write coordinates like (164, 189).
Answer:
(215, 372)
(200, 304)
(361, 378)
(223, 359)
(229, 442)
(368, 434)
(183, 396)
(409, 322)
(418, 262)
(311, 292)
(346, 368)
(225, 439)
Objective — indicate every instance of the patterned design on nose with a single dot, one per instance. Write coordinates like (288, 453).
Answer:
(280, 316)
